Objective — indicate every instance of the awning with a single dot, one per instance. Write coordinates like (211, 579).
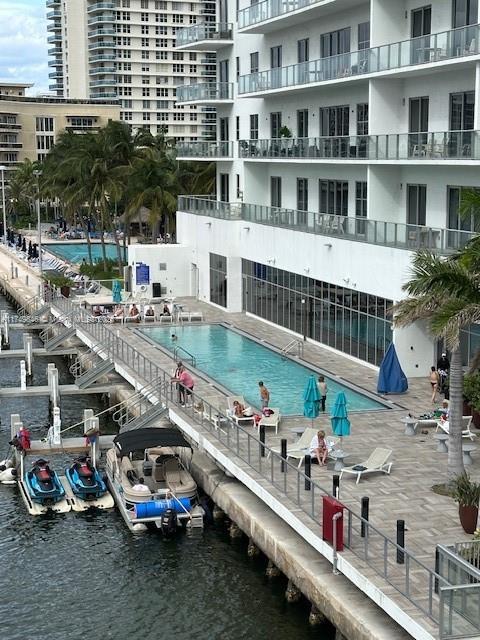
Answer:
(141, 439)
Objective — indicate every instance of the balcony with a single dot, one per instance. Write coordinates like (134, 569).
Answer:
(205, 37)
(101, 6)
(9, 126)
(53, 3)
(108, 17)
(425, 53)
(57, 37)
(110, 82)
(57, 62)
(377, 232)
(6, 146)
(55, 75)
(103, 44)
(95, 71)
(103, 95)
(463, 147)
(102, 56)
(54, 26)
(97, 33)
(206, 93)
(204, 150)
(56, 87)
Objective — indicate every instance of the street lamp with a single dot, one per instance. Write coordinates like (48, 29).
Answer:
(37, 174)
(2, 169)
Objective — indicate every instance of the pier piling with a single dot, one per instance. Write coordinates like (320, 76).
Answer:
(293, 593)
(272, 571)
(316, 617)
(27, 343)
(252, 550)
(5, 330)
(235, 531)
(217, 514)
(23, 376)
(57, 423)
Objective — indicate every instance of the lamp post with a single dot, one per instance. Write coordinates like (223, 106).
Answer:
(37, 174)
(2, 169)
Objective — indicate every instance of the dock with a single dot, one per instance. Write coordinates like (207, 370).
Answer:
(21, 353)
(64, 389)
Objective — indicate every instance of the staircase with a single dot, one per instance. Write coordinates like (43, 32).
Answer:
(56, 341)
(92, 375)
(143, 420)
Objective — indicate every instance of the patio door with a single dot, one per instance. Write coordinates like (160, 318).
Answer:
(224, 187)
(462, 113)
(418, 126)
(417, 204)
(421, 22)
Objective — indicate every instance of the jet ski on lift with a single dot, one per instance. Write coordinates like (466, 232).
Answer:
(85, 480)
(43, 484)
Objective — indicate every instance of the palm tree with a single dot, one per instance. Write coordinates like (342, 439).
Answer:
(446, 294)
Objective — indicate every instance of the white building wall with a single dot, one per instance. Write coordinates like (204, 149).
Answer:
(175, 279)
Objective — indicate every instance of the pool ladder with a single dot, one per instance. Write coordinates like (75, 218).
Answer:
(293, 345)
(189, 355)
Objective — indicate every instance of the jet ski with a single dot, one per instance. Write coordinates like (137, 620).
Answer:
(43, 484)
(85, 480)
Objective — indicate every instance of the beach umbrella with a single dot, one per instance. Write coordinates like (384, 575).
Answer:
(311, 399)
(339, 417)
(30, 249)
(19, 240)
(24, 245)
(117, 291)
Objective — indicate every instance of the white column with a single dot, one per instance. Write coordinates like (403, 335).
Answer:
(476, 118)
(415, 350)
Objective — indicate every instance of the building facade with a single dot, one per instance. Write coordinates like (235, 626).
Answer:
(346, 132)
(125, 49)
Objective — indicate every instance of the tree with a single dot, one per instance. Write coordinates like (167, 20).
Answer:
(446, 294)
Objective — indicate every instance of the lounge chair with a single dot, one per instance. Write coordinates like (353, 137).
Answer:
(272, 420)
(377, 461)
(444, 425)
(302, 447)
(238, 419)
(184, 316)
(196, 316)
(146, 317)
(213, 409)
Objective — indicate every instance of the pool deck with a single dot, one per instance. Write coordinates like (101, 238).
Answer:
(405, 494)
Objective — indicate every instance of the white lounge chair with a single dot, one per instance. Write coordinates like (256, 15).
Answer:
(377, 461)
(213, 409)
(231, 409)
(272, 420)
(148, 318)
(196, 316)
(301, 448)
(444, 425)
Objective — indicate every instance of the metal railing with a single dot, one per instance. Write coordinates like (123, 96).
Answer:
(437, 47)
(409, 576)
(442, 145)
(293, 345)
(268, 9)
(205, 149)
(189, 355)
(378, 232)
(205, 92)
(205, 31)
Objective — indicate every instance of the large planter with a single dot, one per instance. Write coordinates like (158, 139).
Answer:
(468, 518)
(65, 291)
(476, 418)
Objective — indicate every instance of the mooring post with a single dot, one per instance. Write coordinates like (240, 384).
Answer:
(87, 416)
(15, 423)
(57, 423)
(6, 336)
(27, 344)
(308, 472)
(23, 376)
(261, 432)
(52, 377)
(336, 486)
(365, 508)
(283, 453)
(400, 541)
(93, 433)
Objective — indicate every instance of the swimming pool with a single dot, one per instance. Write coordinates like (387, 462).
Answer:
(75, 251)
(238, 363)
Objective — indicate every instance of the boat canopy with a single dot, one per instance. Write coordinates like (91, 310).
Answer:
(141, 439)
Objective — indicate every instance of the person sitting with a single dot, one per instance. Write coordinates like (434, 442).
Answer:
(96, 312)
(134, 313)
(141, 486)
(117, 315)
(238, 409)
(318, 448)
(149, 312)
(165, 310)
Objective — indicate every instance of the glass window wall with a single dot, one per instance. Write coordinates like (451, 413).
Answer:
(218, 279)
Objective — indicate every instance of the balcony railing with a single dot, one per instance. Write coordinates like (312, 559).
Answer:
(52, 15)
(99, 70)
(205, 92)
(10, 145)
(106, 82)
(100, 6)
(437, 47)
(53, 3)
(55, 38)
(269, 9)
(103, 44)
(10, 126)
(410, 237)
(443, 145)
(103, 18)
(205, 149)
(96, 33)
(207, 31)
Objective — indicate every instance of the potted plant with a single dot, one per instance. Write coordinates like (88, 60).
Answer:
(285, 132)
(467, 494)
(60, 282)
(471, 394)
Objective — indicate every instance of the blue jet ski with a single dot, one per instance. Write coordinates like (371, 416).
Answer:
(85, 480)
(43, 484)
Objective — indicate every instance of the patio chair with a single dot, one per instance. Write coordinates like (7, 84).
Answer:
(238, 419)
(300, 448)
(377, 461)
(151, 316)
(272, 420)
(212, 409)
(444, 425)
(196, 316)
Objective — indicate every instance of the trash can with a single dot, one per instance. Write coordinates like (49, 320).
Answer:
(331, 506)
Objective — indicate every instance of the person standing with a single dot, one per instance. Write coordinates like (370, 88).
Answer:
(434, 382)
(186, 384)
(322, 389)
(264, 395)
(443, 368)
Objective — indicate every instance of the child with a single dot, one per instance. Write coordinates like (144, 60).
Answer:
(318, 448)
(322, 388)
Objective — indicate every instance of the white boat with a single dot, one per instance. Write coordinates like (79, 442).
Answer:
(149, 482)
(8, 473)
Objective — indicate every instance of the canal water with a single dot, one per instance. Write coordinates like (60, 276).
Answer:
(72, 576)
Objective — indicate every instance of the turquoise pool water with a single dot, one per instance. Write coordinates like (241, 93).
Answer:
(238, 363)
(75, 252)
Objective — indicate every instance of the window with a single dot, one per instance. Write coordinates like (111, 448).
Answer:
(143, 4)
(462, 109)
(192, 57)
(360, 206)
(335, 42)
(275, 57)
(454, 221)
(44, 124)
(275, 124)
(239, 192)
(146, 117)
(363, 36)
(161, 5)
(362, 119)
(333, 197)
(302, 194)
(223, 125)
(254, 62)
(146, 104)
(237, 127)
(145, 56)
(237, 68)
(224, 187)
(145, 29)
(218, 279)
(146, 91)
(417, 204)
(177, 18)
(303, 50)
(161, 30)
(254, 126)
(275, 191)
(334, 121)
(177, 55)
(302, 123)
(145, 42)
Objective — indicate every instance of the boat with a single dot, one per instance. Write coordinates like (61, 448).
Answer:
(150, 483)
(8, 473)
(85, 480)
(43, 484)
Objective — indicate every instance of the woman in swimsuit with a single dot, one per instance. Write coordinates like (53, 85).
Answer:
(434, 382)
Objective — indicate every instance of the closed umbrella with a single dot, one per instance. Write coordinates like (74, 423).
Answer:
(24, 245)
(311, 399)
(117, 291)
(339, 417)
(30, 249)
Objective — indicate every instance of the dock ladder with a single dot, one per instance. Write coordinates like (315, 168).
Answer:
(292, 347)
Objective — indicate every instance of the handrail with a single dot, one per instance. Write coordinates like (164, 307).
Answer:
(190, 355)
(293, 343)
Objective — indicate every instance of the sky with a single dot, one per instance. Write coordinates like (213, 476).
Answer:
(23, 43)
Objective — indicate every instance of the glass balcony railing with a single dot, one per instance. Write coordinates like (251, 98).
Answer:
(100, 6)
(53, 3)
(55, 38)
(103, 18)
(205, 149)
(443, 145)
(102, 56)
(396, 235)
(103, 44)
(269, 9)
(110, 82)
(437, 47)
(52, 15)
(95, 71)
(96, 33)
(205, 92)
(206, 31)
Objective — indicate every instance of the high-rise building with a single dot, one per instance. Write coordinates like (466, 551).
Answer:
(347, 132)
(126, 49)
